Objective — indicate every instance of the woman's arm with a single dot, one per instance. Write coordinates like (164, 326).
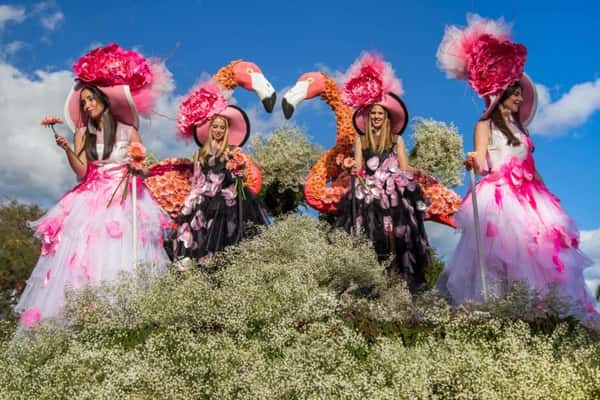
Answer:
(77, 162)
(358, 158)
(481, 138)
(401, 154)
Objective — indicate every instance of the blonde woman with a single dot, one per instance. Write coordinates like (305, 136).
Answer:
(220, 209)
(386, 202)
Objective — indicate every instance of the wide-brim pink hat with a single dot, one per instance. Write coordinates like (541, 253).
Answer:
(395, 108)
(528, 106)
(122, 106)
(239, 126)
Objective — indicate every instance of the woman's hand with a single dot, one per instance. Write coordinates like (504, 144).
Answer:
(62, 142)
(471, 162)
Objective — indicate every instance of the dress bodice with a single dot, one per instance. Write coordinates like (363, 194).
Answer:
(499, 152)
(369, 154)
(118, 155)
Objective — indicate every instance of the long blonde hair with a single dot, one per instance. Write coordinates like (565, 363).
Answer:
(385, 138)
(207, 147)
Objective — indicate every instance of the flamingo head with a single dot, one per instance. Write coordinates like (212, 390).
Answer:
(250, 77)
(308, 86)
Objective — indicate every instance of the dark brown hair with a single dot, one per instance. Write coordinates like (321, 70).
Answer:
(108, 123)
(498, 120)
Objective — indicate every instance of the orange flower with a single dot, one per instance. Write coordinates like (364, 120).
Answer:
(48, 121)
(137, 155)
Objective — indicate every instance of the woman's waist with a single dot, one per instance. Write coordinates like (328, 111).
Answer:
(105, 171)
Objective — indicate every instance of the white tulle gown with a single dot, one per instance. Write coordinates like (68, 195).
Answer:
(85, 242)
(526, 234)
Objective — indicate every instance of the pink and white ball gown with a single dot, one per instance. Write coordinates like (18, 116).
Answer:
(526, 235)
(85, 242)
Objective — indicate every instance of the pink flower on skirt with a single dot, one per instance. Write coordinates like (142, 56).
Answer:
(114, 229)
(373, 163)
(30, 317)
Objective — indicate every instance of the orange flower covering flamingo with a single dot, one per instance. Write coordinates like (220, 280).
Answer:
(328, 181)
(170, 179)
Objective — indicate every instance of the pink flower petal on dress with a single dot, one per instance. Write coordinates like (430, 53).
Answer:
(498, 196)
(373, 163)
(114, 229)
(30, 317)
(491, 229)
(47, 278)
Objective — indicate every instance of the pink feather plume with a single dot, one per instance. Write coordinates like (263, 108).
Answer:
(368, 80)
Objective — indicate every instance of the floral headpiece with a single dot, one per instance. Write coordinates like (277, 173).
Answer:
(112, 65)
(483, 54)
(204, 101)
(368, 80)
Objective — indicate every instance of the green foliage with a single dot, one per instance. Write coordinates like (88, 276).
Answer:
(285, 156)
(438, 149)
(297, 313)
(434, 270)
(19, 251)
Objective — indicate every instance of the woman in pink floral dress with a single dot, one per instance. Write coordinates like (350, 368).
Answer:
(87, 237)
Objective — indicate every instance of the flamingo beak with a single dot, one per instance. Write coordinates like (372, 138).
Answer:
(264, 90)
(293, 98)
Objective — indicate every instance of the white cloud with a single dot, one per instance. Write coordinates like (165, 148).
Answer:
(52, 21)
(33, 167)
(11, 13)
(571, 110)
(13, 47)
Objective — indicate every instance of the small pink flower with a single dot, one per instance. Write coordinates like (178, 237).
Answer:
(373, 163)
(30, 317)
(114, 229)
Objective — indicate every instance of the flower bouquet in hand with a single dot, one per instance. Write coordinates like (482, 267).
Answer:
(136, 152)
(349, 165)
(236, 164)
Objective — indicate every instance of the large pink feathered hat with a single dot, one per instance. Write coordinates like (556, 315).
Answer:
(369, 81)
(132, 83)
(483, 54)
(205, 101)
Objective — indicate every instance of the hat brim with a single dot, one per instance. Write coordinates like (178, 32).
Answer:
(121, 106)
(528, 106)
(396, 110)
(239, 127)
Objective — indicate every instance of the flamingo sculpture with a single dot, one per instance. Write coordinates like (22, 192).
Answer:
(170, 179)
(327, 182)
